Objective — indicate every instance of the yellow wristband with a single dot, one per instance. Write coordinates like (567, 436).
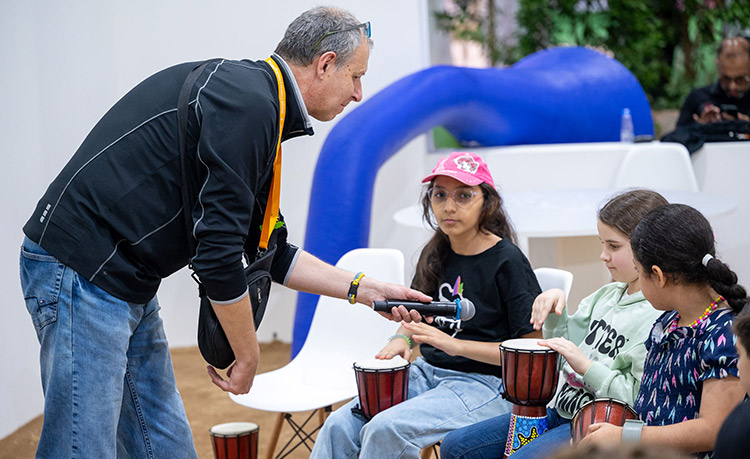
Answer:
(353, 287)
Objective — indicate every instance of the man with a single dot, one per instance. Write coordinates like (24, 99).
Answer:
(713, 103)
(111, 226)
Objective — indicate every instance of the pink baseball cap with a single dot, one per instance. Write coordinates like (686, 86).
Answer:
(465, 167)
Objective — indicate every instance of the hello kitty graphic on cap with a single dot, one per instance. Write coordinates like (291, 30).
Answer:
(465, 167)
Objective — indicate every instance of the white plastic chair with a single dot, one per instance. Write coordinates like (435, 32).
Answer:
(554, 278)
(321, 374)
(657, 165)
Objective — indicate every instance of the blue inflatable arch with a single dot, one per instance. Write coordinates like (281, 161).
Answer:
(558, 95)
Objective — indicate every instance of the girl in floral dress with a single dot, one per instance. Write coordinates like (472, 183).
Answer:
(690, 380)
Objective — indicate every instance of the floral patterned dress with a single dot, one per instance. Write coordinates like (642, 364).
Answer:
(677, 363)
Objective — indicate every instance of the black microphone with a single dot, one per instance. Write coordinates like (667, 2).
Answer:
(459, 309)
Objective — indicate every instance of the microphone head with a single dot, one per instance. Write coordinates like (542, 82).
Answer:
(467, 309)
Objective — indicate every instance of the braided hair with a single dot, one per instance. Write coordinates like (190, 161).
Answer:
(677, 238)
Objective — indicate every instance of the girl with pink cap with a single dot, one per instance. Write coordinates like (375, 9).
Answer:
(455, 382)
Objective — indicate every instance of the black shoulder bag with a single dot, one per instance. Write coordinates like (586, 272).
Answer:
(212, 341)
(693, 136)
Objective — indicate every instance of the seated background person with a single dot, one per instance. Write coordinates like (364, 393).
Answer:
(703, 105)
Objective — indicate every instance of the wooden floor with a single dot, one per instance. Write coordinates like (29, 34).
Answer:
(205, 404)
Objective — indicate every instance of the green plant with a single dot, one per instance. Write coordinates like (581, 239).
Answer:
(471, 22)
(669, 45)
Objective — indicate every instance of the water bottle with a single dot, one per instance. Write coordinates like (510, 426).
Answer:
(626, 126)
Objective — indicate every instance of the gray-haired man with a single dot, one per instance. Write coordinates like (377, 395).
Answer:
(111, 226)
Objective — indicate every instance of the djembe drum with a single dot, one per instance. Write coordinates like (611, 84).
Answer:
(599, 410)
(529, 373)
(380, 384)
(235, 440)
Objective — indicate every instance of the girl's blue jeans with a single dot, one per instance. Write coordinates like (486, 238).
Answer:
(439, 401)
(487, 439)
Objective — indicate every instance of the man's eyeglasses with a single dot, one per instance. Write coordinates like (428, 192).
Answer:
(365, 26)
(461, 196)
(740, 81)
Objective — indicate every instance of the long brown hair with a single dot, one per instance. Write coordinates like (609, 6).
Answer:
(624, 211)
(492, 219)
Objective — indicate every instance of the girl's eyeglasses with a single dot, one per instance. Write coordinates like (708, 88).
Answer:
(461, 196)
(365, 26)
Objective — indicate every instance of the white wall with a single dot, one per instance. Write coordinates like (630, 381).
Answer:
(66, 63)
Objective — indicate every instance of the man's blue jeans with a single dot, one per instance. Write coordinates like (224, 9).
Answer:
(487, 439)
(109, 387)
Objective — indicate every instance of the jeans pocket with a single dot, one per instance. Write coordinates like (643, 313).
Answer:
(41, 281)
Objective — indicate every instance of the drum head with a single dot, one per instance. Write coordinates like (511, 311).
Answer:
(233, 429)
(378, 364)
(525, 344)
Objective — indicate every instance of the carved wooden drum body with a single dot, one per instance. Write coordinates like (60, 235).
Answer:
(529, 373)
(381, 384)
(599, 410)
(235, 440)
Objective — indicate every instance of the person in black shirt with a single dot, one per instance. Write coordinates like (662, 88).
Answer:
(456, 380)
(728, 98)
(733, 440)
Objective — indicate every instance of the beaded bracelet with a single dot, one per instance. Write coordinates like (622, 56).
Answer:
(353, 287)
(408, 340)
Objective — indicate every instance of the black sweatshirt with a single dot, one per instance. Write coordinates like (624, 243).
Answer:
(713, 94)
(114, 213)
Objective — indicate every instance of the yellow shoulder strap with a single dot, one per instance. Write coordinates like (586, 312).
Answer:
(271, 214)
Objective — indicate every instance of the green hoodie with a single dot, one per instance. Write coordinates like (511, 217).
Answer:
(611, 331)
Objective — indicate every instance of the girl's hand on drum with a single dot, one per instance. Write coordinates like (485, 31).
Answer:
(575, 357)
(551, 300)
(396, 346)
(422, 333)
(603, 434)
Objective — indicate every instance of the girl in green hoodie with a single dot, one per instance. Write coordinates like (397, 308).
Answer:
(602, 343)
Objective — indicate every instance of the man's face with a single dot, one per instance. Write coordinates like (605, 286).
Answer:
(341, 84)
(734, 74)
